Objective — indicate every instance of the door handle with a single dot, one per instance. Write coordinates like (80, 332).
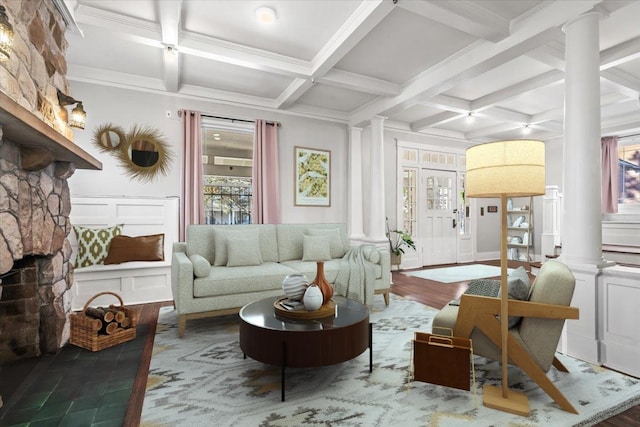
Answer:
(454, 223)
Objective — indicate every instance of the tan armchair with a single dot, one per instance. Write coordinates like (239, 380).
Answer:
(533, 341)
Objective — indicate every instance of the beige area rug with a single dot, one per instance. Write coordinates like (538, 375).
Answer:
(203, 380)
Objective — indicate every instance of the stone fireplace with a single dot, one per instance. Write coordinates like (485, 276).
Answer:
(37, 156)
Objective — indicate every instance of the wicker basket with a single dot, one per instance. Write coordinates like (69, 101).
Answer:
(85, 331)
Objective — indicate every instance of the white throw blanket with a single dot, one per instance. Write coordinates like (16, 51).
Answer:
(356, 277)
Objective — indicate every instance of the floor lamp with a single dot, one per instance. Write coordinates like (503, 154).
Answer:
(505, 169)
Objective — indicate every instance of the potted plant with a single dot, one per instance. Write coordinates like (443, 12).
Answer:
(398, 239)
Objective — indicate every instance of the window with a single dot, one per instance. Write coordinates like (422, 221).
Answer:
(629, 174)
(227, 164)
(409, 200)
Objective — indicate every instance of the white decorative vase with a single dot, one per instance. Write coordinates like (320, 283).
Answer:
(312, 299)
(294, 286)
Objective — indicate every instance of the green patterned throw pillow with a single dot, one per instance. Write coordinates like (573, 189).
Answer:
(93, 244)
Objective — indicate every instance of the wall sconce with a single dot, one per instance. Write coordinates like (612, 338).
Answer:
(6, 35)
(78, 115)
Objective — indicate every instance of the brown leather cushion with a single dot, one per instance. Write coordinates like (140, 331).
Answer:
(141, 248)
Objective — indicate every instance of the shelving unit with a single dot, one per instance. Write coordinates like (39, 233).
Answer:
(520, 228)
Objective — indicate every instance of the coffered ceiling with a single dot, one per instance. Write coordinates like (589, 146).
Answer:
(425, 65)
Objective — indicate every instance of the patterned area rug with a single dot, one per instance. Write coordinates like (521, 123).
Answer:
(203, 380)
(458, 274)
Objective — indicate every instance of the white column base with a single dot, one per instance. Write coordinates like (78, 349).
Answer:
(583, 335)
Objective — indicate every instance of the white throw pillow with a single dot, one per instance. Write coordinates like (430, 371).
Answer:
(335, 240)
(201, 266)
(315, 248)
(221, 236)
(243, 252)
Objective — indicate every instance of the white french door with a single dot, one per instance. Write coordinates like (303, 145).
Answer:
(437, 222)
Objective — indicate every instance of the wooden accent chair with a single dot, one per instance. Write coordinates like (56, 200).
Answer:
(533, 341)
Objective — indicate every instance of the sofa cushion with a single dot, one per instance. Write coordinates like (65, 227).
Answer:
(334, 236)
(243, 252)
(231, 281)
(200, 241)
(222, 236)
(316, 248)
(201, 266)
(93, 244)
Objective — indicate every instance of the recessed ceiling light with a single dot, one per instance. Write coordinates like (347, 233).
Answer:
(217, 138)
(526, 130)
(265, 15)
(216, 134)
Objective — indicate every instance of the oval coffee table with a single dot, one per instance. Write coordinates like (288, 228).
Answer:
(300, 343)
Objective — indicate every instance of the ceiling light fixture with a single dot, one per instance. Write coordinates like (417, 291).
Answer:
(470, 118)
(6, 35)
(526, 130)
(78, 115)
(266, 15)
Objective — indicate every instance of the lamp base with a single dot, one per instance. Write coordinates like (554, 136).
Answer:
(515, 403)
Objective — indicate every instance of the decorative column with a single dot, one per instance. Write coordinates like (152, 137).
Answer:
(377, 232)
(355, 225)
(582, 230)
(582, 241)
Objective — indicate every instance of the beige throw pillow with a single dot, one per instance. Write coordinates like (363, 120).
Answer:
(335, 240)
(222, 236)
(315, 248)
(243, 252)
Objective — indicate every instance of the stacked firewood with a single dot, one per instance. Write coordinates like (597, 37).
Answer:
(108, 320)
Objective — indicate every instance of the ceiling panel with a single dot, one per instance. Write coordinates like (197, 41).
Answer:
(302, 28)
(120, 55)
(402, 46)
(508, 9)
(414, 113)
(537, 101)
(500, 77)
(334, 98)
(202, 72)
(620, 26)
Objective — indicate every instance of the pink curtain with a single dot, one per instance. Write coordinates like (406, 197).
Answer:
(610, 174)
(265, 208)
(192, 199)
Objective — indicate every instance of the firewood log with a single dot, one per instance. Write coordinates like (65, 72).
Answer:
(118, 314)
(99, 313)
(109, 328)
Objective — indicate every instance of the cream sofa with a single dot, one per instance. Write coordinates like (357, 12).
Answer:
(220, 268)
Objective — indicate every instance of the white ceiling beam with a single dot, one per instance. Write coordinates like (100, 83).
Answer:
(356, 27)
(626, 80)
(533, 32)
(466, 16)
(294, 91)
(620, 53)
(124, 27)
(232, 53)
(621, 128)
(364, 19)
(450, 103)
(101, 76)
(516, 90)
(624, 120)
(359, 82)
(144, 32)
(435, 120)
(170, 12)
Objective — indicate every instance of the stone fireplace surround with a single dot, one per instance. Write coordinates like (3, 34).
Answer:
(37, 156)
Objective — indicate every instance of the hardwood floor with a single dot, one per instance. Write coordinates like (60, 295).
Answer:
(433, 294)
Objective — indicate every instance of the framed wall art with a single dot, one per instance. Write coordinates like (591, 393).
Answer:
(312, 178)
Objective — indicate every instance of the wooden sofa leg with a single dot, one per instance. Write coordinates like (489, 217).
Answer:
(386, 298)
(182, 324)
(558, 365)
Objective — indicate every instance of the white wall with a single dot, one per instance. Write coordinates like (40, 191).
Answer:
(125, 108)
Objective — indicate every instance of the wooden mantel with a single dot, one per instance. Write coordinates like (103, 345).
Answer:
(37, 139)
